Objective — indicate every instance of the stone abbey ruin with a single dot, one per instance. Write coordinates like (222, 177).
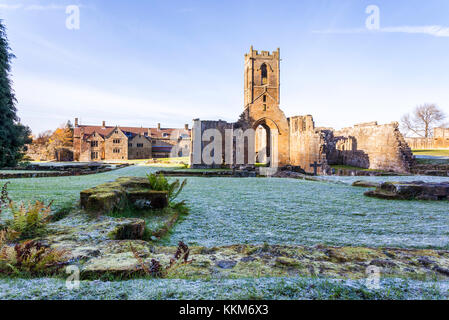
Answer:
(296, 141)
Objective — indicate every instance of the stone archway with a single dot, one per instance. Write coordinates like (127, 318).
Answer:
(266, 141)
(263, 144)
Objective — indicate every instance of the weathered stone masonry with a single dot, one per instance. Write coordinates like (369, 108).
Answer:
(296, 140)
(440, 140)
(373, 146)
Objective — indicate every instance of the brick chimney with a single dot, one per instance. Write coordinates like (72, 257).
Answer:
(76, 122)
(159, 126)
(104, 124)
(186, 126)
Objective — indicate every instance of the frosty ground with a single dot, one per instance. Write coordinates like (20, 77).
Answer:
(228, 211)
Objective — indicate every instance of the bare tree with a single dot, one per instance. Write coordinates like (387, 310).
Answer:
(422, 120)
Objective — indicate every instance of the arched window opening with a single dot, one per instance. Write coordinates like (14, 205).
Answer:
(264, 74)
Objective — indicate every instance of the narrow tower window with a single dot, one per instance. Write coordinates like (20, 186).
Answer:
(263, 71)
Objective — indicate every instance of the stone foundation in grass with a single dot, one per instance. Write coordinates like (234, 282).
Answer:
(365, 184)
(104, 247)
(415, 190)
(122, 192)
(57, 170)
(441, 170)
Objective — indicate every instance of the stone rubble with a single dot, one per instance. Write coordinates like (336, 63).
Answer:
(415, 190)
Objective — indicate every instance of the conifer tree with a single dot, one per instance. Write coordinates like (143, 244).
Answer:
(13, 135)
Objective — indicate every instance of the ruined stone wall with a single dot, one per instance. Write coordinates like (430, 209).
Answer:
(198, 146)
(440, 140)
(368, 145)
(441, 143)
(307, 144)
(420, 143)
(441, 133)
(37, 152)
(372, 146)
(428, 143)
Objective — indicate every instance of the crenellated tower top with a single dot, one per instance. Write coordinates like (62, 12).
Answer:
(262, 73)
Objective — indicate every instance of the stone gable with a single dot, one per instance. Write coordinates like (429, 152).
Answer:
(116, 145)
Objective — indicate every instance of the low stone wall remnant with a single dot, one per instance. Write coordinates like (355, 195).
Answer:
(415, 190)
(122, 192)
(58, 170)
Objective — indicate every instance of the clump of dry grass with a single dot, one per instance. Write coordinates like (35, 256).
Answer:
(155, 268)
(29, 258)
(29, 220)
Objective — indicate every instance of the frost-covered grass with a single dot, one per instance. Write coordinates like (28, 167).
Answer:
(256, 210)
(273, 210)
(277, 211)
(349, 179)
(64, 190)
(262, 288)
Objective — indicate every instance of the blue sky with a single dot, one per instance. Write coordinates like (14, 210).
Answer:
(144, 62)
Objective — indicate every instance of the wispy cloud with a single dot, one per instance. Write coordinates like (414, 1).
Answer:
(46, 45)
(10, 6)
(38, 7)
(47, 102)
(341, 31)
(34, 7)
(436, 30)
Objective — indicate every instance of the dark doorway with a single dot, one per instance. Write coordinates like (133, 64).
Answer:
(263, 144)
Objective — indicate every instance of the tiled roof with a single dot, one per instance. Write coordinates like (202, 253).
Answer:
(84, 131)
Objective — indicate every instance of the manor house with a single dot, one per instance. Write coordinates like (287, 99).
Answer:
(98, 143)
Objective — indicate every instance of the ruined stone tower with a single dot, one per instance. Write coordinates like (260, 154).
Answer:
(262, 98)
(262, 79)
(279, 141)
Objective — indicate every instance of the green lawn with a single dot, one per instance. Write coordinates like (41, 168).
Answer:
(433, 152)
(345, 167)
